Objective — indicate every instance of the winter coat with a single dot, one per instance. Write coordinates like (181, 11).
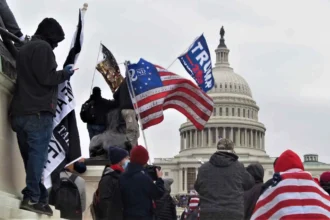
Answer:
(101, 107)
(221, 183)
(251, 196)
(165, 206)
(37, 79)
(122, 96)
(110, 203)
(138, 191)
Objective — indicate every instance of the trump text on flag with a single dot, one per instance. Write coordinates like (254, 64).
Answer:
(197, 62)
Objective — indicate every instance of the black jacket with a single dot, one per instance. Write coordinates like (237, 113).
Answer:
(122, 96)
(101, 107)
(138, 192)
(165, 208)
(37, 78)
(251, 196)
(223, 196)
(110, 204)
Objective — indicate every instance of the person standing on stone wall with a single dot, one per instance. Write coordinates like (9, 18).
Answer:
(34, 106)
(124, 101)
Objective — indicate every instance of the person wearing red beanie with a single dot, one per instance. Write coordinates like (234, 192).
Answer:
(137, 188)
(288, 160)
(325, 181)
(139, 155)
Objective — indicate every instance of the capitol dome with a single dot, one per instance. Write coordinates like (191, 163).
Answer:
(235, 113)
(235, 116)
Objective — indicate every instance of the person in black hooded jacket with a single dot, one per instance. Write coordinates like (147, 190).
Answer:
(100, 108)
(33, 108)
(251, 196)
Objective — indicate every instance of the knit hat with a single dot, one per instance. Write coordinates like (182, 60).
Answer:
(139, 155)
(325, 177)
(225, 144)
(288, 160)
(79, 167)
(117, 154)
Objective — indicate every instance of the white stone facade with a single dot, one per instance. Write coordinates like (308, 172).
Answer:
(235, 116)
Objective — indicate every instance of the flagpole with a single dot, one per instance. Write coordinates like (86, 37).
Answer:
(184, 51)
(136, 110)
(98, 55)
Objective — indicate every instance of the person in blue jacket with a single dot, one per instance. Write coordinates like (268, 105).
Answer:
(137, 188)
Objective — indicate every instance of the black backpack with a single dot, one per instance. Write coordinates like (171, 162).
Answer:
(66, 198)
(87, 112)
(95, 206)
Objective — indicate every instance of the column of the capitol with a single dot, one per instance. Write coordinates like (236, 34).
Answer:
(11, 170)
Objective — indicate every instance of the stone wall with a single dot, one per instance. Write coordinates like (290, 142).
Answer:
(11, 167)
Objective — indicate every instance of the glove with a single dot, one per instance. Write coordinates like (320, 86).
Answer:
(68, 69)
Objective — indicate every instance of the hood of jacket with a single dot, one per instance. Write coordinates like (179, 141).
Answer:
(51, 31)
(167, 184)
(288, 160)
(257, 171)
(223, 159)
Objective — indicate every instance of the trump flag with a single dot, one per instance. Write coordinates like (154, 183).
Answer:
(197, 62)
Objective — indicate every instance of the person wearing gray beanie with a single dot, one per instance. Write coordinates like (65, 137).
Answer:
(222, 197)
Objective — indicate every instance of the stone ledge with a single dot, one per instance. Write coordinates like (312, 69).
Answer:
(9, 209)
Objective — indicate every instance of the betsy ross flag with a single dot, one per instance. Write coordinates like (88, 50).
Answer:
(64, 146)
(296, 196)
(154, 89)
(109, 69)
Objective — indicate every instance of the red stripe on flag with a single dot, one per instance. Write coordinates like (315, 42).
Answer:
(296, 175)
(160, 95)
(290, 189)
(306, 216)
(153, 122)
(292, 202)
(180, 81)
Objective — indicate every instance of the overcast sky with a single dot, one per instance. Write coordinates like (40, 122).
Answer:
(280, 47)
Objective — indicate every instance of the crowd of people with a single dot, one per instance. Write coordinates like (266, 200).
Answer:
(129, 189)
(240, 193)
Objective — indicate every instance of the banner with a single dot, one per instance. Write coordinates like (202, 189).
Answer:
(197, 62)
(109, 69)
(64, 146)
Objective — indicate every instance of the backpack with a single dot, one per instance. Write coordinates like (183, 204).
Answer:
(95, 208)
(87, 112)
(66, 198)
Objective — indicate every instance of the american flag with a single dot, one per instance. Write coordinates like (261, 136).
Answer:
(296, 196)
(155, 89)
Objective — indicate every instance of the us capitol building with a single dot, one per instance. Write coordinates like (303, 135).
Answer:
(235, 116)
